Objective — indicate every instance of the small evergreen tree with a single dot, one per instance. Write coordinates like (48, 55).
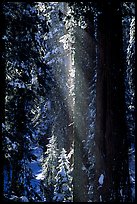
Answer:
(49, 169)
(63, 186)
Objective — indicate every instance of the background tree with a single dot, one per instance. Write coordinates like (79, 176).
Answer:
(128, 20)
(21, 95)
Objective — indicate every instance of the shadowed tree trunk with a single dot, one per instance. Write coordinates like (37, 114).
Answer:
(79, 177)
(112, 176)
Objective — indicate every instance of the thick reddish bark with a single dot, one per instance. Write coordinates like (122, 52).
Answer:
(110, 138)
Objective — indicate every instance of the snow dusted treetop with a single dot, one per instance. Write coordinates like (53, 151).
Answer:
(50, 162)
(49, 171)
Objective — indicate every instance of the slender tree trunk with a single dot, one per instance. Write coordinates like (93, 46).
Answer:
(112, 176)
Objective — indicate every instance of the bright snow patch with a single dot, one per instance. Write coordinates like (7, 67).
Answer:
(40, 176)
(24, 199)
(101, 179)
(3, 125)
(13, 198)
(100, 198)
(121, 192)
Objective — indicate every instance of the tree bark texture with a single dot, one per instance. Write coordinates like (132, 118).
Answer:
(110, 138)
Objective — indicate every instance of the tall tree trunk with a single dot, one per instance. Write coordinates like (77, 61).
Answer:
(112, 176)
(84, 50)
(79, 177)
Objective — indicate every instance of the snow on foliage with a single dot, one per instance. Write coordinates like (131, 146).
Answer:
(132, 169)
(129, 49)
(23, 199)
(63, 186)
(49, 170)
(14, 198)
(40, 176)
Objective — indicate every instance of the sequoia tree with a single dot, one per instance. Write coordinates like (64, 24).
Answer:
(112, 176)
